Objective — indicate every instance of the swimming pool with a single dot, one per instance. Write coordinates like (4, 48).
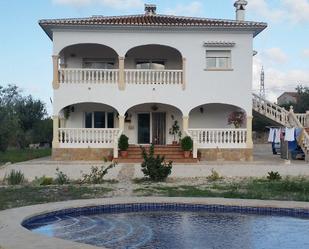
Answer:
(166, 225)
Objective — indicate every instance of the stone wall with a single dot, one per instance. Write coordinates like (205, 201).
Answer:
(226, 154)
(89, 154)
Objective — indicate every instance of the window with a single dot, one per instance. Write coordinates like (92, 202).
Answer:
(99, 120)
(98, 63)
(218, 59)
(150, 64)
(88, 119)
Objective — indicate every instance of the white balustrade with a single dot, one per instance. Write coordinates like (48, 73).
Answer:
(270, 110)
(84, 138)
(301, 118)
(219, 138)
(153, 77)
(88, 76)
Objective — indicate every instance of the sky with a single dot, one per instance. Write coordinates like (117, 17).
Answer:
(283, 48)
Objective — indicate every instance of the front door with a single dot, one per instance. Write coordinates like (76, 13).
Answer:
(158, 128)
(144, 128)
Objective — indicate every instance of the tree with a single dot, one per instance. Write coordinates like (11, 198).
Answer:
(302, 104)
(22, 118)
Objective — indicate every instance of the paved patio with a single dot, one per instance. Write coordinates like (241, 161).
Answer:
(263, 162)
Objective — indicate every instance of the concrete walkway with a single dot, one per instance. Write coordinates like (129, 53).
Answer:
(263, 162)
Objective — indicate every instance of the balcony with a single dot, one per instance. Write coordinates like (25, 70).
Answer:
(98, 64)
(111, 76)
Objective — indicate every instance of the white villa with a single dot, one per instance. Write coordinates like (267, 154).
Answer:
(136, 75)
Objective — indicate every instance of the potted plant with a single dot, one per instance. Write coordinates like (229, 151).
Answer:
(175, 131)
(186, 145)
(123, 145)
(236, 118)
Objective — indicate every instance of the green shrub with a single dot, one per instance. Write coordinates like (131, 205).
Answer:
(123, 142)
(15, 177)
(186, 143)
(43, 181)
(61, 178)
(154, 167)
(96, 175)
(214, 176)
(274, 176)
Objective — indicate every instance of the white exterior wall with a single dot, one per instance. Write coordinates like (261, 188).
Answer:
(213, 116)
(73, 56)
(77, 118)
(202, 87)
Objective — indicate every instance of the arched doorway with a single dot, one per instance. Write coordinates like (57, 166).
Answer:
(151, 123)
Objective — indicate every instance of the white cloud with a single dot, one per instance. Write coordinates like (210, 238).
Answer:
(275, 55)
(192, 9)
(297, 10)
(286, 10)
(262, 8)
(305, 53)
(115, 4)
(277, 81)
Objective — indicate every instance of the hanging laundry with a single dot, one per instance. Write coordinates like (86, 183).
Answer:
(271, 135)
(289, 134)
(277, 136)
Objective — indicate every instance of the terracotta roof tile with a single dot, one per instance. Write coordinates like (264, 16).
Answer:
(151, 20)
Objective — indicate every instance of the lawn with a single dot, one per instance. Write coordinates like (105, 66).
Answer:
(17, 196)
(289, 188)
(17, 155)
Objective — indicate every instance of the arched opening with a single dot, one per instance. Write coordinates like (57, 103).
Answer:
(217, 116)
(88, 55)
(89, 116)
(152, 123)
(153, 57)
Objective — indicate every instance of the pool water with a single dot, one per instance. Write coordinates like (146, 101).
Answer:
(179, 229)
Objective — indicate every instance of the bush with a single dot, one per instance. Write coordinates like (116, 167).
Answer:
(61, 178)
(154, 167)
(186, 143)
(43, 181)
(214, 176)
(274, 176)
(123, 142)
(15, 177)
(96, 175)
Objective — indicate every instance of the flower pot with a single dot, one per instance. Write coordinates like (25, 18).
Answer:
(124, 153)
(186, 154)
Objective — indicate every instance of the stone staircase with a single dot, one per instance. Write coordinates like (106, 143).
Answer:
(284, 118)
(170, 152)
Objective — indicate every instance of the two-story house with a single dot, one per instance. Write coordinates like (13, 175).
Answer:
(138, 74)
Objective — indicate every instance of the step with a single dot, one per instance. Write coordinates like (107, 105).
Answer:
(179, 160)
(157, 152)
(167, 156)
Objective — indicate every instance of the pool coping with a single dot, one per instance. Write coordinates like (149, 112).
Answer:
(14, 236)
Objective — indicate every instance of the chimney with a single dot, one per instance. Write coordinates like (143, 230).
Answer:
(240, 6)
(150, 9)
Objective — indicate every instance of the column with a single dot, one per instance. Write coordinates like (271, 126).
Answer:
(249, 132)
(184, 74)
(121, 122)
(121, 80)
(307, 119)
(185, 123)
(55, 131)
(55, 71)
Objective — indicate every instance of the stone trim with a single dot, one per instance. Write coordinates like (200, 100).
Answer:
(80, 154)
(226, 154)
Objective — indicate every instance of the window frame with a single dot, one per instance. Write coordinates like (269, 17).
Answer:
(150, 61)
(226, 54)
(106, 123)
